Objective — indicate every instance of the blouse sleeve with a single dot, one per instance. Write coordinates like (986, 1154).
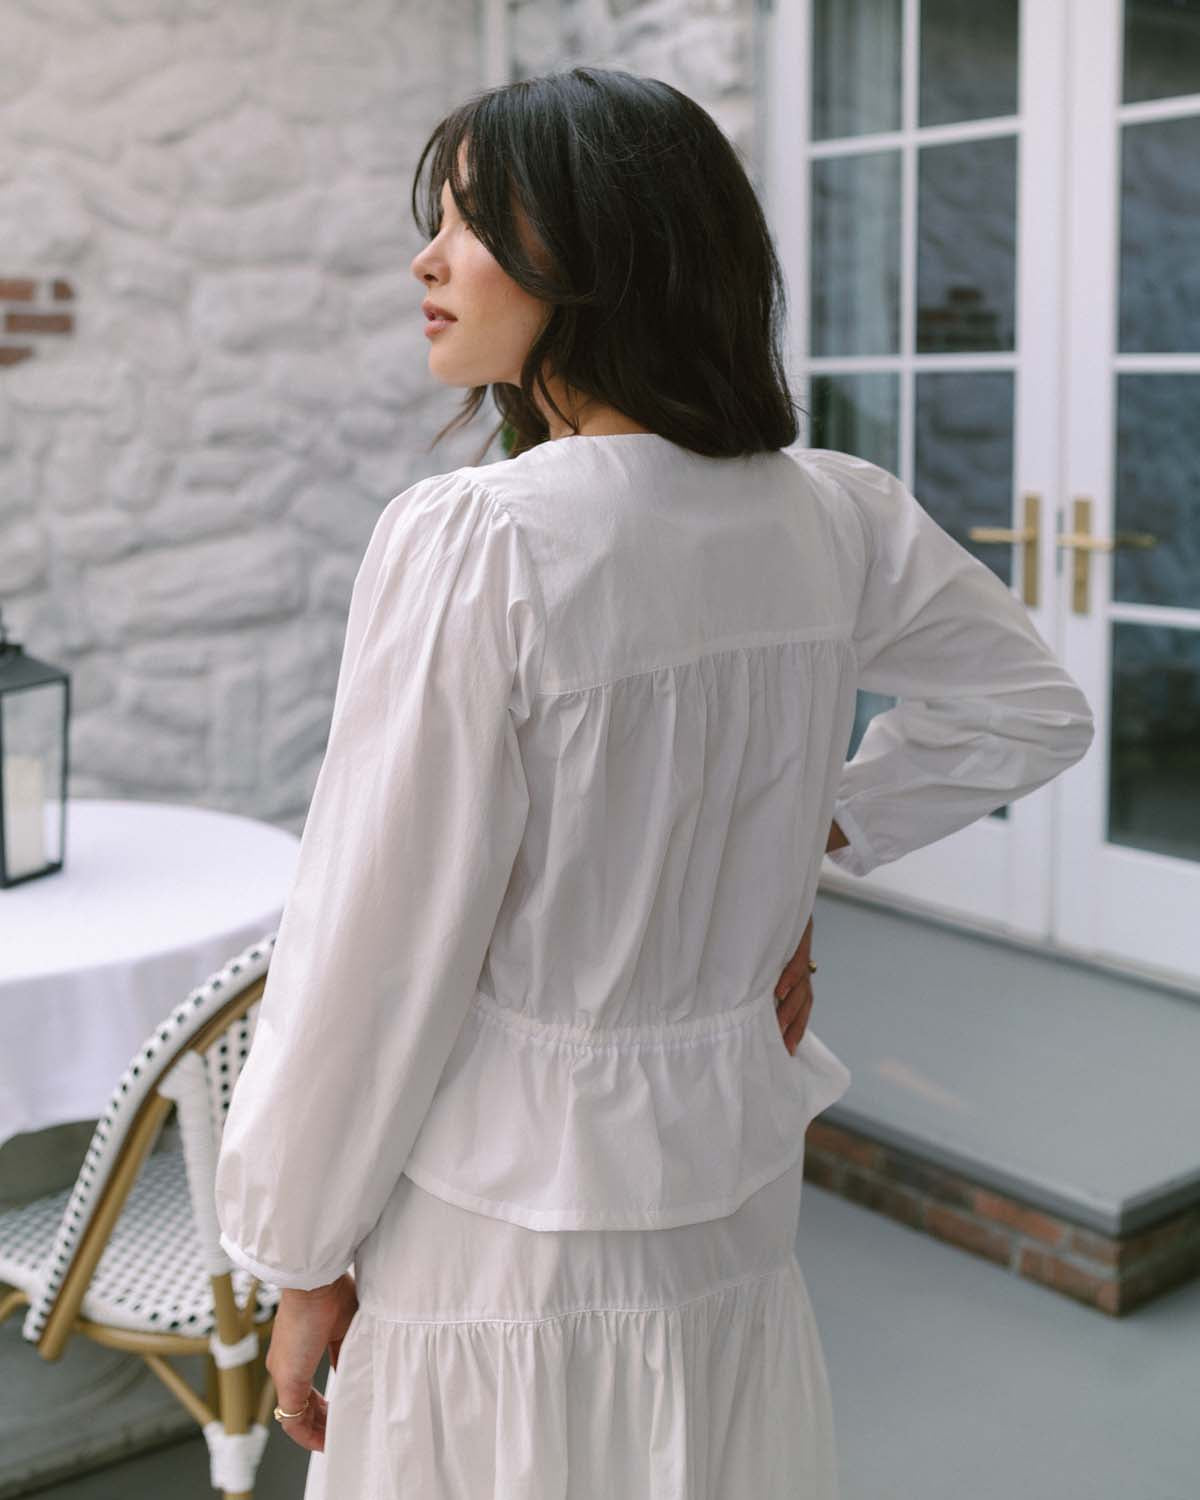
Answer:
(414, 824)
(986, 713)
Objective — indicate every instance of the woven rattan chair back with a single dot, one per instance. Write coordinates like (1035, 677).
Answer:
(190, 1062)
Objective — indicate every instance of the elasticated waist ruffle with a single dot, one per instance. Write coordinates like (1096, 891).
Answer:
(557, 1126)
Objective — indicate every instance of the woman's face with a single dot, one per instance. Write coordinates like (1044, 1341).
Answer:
(495, 321)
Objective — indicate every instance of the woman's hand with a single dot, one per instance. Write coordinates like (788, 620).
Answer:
(306, 1324)
(794, 993)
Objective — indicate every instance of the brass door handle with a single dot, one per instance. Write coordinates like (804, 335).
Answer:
(1028, 536)
(1083, 543)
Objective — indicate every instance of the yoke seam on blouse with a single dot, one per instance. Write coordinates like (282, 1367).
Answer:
(838, 630)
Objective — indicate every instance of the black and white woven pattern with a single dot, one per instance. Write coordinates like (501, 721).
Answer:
(151, 1274)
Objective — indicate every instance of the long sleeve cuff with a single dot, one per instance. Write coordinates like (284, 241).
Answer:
(857, 857)
(304, 1281)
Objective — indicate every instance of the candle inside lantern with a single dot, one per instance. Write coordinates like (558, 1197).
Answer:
(24, 832)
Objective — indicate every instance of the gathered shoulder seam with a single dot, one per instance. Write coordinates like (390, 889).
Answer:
(495, 502)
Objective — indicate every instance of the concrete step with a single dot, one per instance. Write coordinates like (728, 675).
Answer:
(1039, 1112)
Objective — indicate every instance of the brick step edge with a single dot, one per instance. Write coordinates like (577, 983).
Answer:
(1110, 1273)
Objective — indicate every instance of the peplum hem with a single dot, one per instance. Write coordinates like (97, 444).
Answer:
(555, 1126)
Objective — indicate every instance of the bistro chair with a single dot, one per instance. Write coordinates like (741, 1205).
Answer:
(129, 1256)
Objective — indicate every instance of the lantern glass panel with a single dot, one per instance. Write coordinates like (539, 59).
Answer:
(31, 733)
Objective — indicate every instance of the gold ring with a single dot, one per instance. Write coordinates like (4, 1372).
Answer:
(288, 1416)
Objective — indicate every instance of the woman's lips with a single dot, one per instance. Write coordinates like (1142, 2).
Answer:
(435, 325)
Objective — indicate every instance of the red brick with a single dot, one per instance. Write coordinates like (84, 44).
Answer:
(1019, 1216)
(1111, 1299)
(1095, 1247)
(17, 289)
(1173, 1232)
(842, 1143)
(821, 1170)
(1061, 1276)
(1161, 1276)
(924, 1178)
(62, 291)
(860, 1187)
(24, 322)
(968, 1234)
(13, 354)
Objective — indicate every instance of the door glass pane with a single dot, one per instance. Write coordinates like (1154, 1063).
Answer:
(855, 67)
(963, 462)
(968, 60)
(1160, 237)
(1158, 489)
(967, 246)
(857, 414)
(855, 283)
(1162, 49)
(1155, 740)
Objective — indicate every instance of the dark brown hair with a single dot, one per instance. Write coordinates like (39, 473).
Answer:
(666, 295)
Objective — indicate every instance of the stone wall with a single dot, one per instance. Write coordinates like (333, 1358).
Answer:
(194, 452)
(707, 48)
(192, 463)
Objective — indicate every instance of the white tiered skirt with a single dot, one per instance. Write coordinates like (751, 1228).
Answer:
(490, 1361)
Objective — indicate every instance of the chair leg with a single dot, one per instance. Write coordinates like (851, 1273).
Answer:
(236, 1441)
(260, 1371)
(10, 1299)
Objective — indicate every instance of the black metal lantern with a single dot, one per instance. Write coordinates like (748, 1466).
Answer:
(35, 704)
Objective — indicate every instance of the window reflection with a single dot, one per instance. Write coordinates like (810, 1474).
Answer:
(1158, 489)
(857, 414)
(855, 286)
(1154, 775)
(967, 246)
(1162, 49)
(1160, 237)
(964, 457)
(968, 60)
(855, 68)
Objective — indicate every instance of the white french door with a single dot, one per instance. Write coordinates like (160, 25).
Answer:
(989, 220)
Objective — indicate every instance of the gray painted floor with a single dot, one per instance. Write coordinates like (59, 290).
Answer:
(1067, 1086)
(955, 1380)
(952, 1380)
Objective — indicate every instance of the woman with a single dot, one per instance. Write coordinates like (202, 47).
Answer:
(533, 1055)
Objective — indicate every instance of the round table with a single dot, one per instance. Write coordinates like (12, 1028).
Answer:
(152, 899)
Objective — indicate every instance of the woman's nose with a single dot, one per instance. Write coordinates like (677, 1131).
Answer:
(418, 264)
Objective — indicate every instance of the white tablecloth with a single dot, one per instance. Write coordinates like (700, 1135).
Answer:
(152, 899)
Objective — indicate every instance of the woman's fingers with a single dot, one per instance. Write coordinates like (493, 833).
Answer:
(794, 993)
(309, 1430)
(793, 1015)
(796, 967)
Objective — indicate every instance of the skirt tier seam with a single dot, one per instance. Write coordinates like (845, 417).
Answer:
(656, 1307)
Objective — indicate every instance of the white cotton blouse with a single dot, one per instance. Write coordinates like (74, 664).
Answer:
(588, 737)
